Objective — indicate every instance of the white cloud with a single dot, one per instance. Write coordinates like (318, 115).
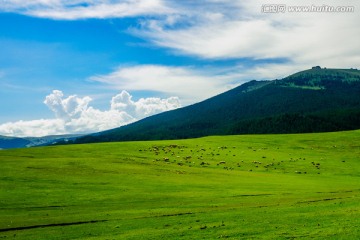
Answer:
(40, 127)
(238, 29)
(189, 84)
(68, 108)
(74, 115)
(77, 9)
(144, 107)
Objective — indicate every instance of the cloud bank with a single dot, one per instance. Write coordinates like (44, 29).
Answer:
(74, 115)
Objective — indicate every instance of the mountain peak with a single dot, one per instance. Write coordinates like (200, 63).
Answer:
(318, 78)
(334, 73)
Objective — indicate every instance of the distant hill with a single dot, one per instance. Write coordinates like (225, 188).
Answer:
(15, 142)
(315, 100)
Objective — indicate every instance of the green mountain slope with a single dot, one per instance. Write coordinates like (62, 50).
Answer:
(315, 100)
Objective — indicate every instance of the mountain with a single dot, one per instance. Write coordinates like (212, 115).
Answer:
(15, 142)
(314, 100)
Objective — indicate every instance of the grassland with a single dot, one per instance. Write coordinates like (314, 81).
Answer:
(236, 187)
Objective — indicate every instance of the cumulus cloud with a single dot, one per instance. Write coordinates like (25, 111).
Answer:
(68, 108)
(74, 115)
(144, 107)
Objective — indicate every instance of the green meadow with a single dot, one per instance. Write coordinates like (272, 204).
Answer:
(235, 187)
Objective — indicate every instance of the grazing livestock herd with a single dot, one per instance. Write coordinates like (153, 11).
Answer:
(229, 158)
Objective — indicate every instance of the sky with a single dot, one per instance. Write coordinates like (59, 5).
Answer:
(82, 66)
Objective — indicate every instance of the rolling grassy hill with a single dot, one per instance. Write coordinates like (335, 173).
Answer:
(315, 100)
(235, 187)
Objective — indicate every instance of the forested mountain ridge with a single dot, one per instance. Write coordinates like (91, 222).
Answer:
(314, 100)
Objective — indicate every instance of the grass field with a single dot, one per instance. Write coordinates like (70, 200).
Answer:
(236, 187)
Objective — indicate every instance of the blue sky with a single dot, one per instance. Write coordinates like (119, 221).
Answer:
(77, 66)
